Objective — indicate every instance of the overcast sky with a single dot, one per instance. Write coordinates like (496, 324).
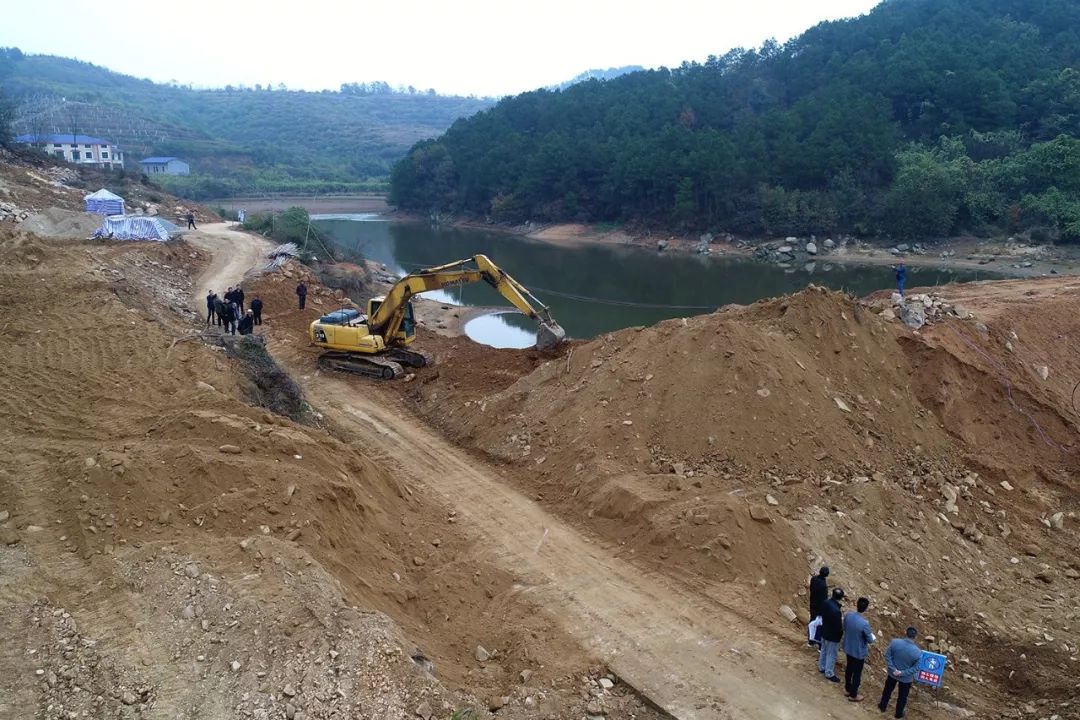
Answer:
(482, 47)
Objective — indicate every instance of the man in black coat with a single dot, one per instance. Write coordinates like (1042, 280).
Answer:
(224, 313)
(239, 294)
(819, 594)
(301, 294)
(211, 297)
(246, 324)
(832, 631)
(256, 309)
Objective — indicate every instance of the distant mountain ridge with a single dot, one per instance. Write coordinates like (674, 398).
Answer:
(236, 139)
(597, 74)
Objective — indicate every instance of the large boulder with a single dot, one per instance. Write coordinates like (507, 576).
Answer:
(913, 315)
(811, 248)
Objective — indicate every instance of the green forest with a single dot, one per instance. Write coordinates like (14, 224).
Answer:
(921, 119)
(264, 138)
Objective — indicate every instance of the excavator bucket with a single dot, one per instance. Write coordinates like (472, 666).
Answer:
(549, 335)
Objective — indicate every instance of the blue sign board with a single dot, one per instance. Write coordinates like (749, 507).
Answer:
(931, 669)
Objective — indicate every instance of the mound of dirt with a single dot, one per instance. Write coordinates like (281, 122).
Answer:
(59, 224)
(739, 450)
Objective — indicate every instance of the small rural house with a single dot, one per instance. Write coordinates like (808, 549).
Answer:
(164, 166)
(104, 202)
(78, 149)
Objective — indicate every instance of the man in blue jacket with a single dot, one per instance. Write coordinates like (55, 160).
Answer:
(832, 630)
(901, 660)
(857, 638)
(901, 278)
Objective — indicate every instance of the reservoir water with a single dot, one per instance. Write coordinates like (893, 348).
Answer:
(593, 289)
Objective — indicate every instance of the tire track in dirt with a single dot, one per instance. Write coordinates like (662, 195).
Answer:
(692, 657)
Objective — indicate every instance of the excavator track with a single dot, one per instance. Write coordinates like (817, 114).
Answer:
(412, 358)
(373, 367)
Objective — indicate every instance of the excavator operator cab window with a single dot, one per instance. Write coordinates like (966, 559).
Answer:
(408, 323)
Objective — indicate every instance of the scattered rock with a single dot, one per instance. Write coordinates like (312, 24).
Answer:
(288, 690)
(606, 683)
(424, 711)
(593, 707)
(760, 514)
(497, 702)
(1031, 549)
(525, 675)
(811, 248)
(482, 655)
(8, 536)
(128, 698)
(842, 405)
(230, 449)
(192, 570)
(1057, 521)
(788, 614)
(1006, 485)
(290, 711)
(418, 561)
(234, 665)
(829, 244)
(1043, 371)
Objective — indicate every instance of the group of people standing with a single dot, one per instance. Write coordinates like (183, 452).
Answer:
(830, 627)
(228, 311)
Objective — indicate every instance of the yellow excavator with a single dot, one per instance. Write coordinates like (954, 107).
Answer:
(375, 344)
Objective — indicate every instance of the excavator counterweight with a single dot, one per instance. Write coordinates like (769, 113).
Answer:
(375, 344)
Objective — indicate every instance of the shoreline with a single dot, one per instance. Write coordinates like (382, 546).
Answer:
(993, 256)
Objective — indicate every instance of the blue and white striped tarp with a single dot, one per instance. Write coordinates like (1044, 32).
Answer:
(136, 227)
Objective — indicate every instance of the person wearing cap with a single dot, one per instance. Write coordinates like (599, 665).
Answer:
(901, 661)
(832, 631)
(857, 638)
(819, 594)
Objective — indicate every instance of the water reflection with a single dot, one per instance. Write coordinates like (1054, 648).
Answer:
(500, 330)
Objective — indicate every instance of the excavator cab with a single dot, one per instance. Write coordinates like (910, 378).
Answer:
(407, 333)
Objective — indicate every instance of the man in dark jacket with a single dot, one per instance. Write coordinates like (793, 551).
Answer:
(191, 221)
(223, 312)
(246, 324)
(832, 631)
(819, 593)
(240, 297)
(256, 309)
(301, 293)
(902, 661)
(901, 278)
(210, 315)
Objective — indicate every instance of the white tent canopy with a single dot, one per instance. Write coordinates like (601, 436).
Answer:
(104, 202)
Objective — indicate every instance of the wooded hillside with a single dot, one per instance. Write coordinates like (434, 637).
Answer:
(922, 118)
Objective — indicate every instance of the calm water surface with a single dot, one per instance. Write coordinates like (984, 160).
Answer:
(598, 288)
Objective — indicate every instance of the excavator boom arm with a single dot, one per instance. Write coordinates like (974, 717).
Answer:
(387, 320)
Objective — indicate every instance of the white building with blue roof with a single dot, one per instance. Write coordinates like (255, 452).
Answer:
(164, 166)
(78, 149)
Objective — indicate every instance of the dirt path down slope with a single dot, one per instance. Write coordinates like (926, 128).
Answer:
(691, 656)
(234, 253)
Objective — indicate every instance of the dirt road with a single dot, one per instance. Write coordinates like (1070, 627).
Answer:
(691, 656)
(234, 253)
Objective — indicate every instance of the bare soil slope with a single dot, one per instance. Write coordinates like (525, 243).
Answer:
(737, 451)
(169, 550)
